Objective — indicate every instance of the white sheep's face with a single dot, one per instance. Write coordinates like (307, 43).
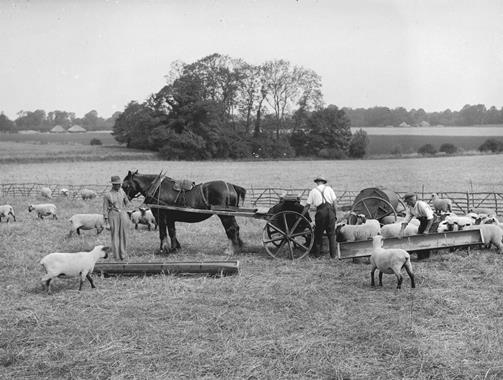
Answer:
(443, 226)
(377, 241)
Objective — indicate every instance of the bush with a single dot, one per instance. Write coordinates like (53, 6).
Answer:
(96, 141)
(491, 145)
(427, 149)
(448, 148)
(358, 144)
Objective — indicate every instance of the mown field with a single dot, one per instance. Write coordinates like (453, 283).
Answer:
(315, 318)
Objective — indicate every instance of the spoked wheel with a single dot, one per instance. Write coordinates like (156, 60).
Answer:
(374, 208)
(288, 235)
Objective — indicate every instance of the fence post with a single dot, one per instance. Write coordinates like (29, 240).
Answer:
(495, 203)
(467, 201)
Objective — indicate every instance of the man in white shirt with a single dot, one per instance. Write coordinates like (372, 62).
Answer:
(323, 198)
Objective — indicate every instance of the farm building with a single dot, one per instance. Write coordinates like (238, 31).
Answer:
(403, 124)
(423, 124)
(57, 129)
(76, 129)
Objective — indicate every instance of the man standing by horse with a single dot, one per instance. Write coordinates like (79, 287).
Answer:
(114, 211)
(323, 198)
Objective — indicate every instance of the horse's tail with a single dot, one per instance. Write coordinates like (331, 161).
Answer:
(241, 192)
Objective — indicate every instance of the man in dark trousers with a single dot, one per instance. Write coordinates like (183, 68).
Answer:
(323, 198)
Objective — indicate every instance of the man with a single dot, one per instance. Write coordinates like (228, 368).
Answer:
(423, 212)
(323, 198)
(114, 203)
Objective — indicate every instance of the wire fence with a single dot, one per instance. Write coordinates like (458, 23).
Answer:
(462, 202)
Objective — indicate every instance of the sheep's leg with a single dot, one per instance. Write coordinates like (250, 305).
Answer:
(372, 283)
(78, 231)
(99, 230)
(54, 216)
(136, 226)
(89, 278)
(46, 284)
(380, 278)
(408, 268)
(399, 278)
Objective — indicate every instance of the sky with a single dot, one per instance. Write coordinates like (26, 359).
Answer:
(79, 56)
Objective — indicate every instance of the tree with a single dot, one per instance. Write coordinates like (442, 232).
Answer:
(134, 125)
(491, 145)
(448, 148)
(6, 125)
(427, 149)
(358, 144)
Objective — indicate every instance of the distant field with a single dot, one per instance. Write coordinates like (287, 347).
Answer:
(60, 138)
(474, 130)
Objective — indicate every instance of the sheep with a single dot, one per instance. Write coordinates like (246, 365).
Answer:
(348, 232)
(491, 233)
(88, 194)
(45, 192)
(390, 261)
(483, 211)
(72, 264)
(5, 211)
(142, 216)
(390, 219)
(64, 192)
(393, 230)
(44, 209)
(460, 221)
(87, 222)
(441, 204)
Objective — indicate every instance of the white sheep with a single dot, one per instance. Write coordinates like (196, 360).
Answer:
(365, 231)
(483, 211)
(88, 194)
(460, 221)
(64, 192)
(393, 230)
(71, 265)
(390, 261)
(5, 211)
(142, 216)
(441, 204)
(491, 233)
(45, 192)
(87, 222)
(44, 209)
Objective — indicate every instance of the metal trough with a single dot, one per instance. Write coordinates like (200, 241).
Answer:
(209, 267)
(349, 250)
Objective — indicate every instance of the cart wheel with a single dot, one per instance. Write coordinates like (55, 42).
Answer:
(288, 234)
(373, 212)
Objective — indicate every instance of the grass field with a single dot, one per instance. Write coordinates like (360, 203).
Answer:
(316, 318)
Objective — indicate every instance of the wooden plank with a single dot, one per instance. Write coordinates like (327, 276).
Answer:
(238, 212)
(412, 244)
(175, 267)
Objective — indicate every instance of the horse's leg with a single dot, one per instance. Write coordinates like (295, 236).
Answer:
(175, 244)
(232, 231)
(163, 237)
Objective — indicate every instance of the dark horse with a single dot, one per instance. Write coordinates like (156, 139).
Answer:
(162, 190)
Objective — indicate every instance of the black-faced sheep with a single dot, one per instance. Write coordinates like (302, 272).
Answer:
(87, 222)
(390, 261)
(44, 209)
(6, 211)
(441, 204)
(142, 216)
(491, 233)
(88, 194)
(64, 192)
(72, 265)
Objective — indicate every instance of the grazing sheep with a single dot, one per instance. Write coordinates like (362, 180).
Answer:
(87, 222)
(88, 194)
(45, 192)
(64, 192)
(44, 209)
(142, 216)
(393, 230)
(71, 265)
(5, 211)
(390, 261)
(365, 231)
(491, 233)
(441, 204)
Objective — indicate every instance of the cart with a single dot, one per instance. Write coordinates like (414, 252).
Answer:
(286, 234)
(377, 203)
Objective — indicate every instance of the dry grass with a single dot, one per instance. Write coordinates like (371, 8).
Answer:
(316, 318)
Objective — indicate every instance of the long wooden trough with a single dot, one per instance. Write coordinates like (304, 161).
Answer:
(349, 250)
(221, 268)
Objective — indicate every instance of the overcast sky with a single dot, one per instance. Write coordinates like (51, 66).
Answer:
(83, 55)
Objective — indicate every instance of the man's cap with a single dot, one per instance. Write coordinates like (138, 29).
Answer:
(320, 178)
(408, 196)
(116, 179)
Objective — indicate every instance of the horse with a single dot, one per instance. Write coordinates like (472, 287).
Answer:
(162, 190)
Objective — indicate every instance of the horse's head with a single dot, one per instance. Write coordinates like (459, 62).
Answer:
(130, 185)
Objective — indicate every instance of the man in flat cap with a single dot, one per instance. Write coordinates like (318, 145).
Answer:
(323, 198)
(421, 211)
(114, 210)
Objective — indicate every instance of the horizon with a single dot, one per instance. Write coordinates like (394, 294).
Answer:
(100, 55)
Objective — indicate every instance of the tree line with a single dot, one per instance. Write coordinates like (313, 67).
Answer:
(42, 121)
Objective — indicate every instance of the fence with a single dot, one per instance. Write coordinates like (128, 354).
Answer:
(266, 197)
